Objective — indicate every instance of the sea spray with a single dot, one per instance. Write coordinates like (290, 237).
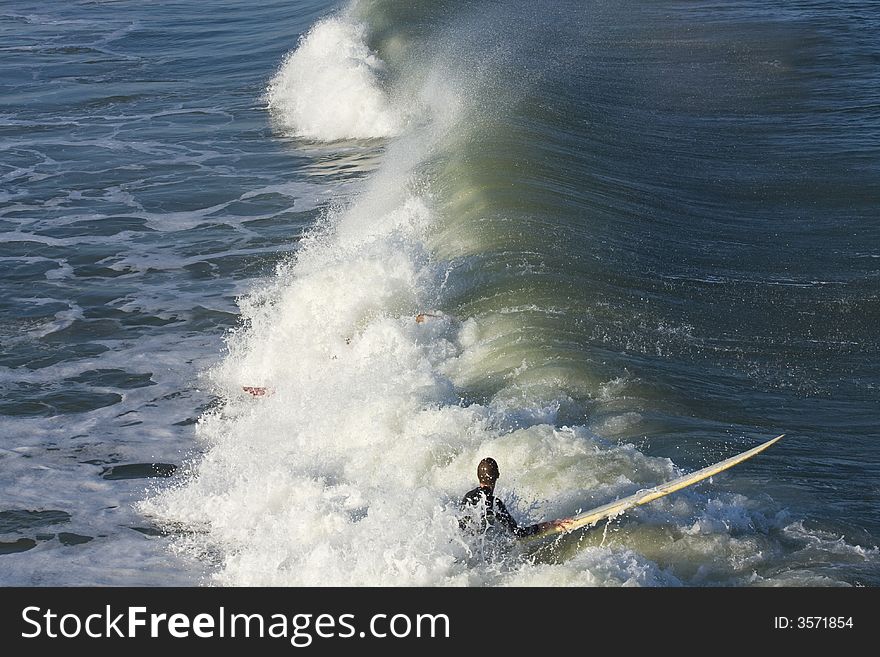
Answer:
(330, 87)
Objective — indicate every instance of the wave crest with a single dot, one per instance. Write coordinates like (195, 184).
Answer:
(329, 88)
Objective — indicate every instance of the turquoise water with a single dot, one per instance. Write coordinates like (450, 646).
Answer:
(648, 233)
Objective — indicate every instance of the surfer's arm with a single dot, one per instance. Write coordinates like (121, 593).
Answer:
(562, 525)
(503, 516)
(467, 507)
(542, 527)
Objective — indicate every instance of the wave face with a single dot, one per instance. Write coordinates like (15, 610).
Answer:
(527, 198)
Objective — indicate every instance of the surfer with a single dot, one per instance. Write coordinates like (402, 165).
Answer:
(482, 499)
(421, 317)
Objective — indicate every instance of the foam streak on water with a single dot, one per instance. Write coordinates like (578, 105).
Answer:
(128, 227)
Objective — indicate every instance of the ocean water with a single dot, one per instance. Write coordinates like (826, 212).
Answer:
(645, 235)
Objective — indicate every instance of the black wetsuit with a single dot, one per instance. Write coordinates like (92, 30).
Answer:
(495, 511)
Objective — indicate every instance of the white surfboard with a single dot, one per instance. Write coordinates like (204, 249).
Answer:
(612, 509)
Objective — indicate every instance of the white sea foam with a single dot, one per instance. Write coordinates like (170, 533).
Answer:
(349, 472)
(330, 87)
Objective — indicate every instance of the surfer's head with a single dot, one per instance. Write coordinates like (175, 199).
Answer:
(487, 472)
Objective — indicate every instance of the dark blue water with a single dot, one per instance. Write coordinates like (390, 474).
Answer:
(650, 229)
